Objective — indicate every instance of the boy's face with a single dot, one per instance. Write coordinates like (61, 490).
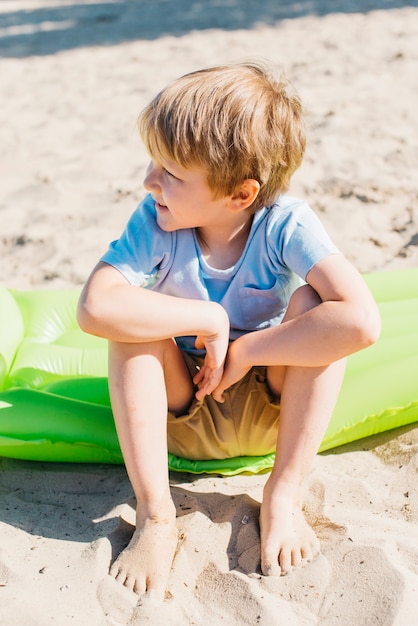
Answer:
(183, 198)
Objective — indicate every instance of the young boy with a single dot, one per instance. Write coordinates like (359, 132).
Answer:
(227, 308)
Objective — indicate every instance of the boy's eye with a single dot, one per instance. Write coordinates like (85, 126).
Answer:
(169, 173)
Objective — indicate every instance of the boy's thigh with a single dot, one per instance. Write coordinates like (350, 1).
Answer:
(246, 424)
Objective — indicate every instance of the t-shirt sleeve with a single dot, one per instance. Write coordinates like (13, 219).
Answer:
(299, 238)
(143, 250)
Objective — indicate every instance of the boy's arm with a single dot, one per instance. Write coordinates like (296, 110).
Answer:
(347, 320)
(112, 308)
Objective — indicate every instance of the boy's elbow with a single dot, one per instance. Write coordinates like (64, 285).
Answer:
(87, 316)
(83, 318)
(96, 305)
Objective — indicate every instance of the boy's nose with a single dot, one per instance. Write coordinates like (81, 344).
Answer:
(151, 179)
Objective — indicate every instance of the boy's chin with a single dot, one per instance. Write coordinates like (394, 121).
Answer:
(167, 228)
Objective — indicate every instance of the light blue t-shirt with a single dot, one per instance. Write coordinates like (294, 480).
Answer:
(286, 240)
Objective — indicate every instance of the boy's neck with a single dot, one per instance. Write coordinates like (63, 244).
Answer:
(222, 248)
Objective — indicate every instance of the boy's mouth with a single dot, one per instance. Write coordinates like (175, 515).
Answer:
(159, 206)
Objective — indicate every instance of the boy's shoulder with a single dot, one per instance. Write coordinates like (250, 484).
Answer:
(291, 219)
(284, 211)
(287, 203)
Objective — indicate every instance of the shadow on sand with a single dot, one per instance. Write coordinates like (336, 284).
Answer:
(49, 29)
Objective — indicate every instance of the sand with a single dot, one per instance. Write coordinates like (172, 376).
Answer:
(73, 79)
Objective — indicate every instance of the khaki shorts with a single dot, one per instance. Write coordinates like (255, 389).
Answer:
(246, 424)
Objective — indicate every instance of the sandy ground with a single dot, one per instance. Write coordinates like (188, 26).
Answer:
(74, 76)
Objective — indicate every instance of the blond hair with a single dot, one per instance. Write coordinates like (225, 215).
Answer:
(236, 121)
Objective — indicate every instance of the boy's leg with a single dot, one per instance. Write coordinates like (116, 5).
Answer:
(307, 399)
(144, 379)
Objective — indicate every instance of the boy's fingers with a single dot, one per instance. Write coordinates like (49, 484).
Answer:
(218, 396)
(207, 382)
(200, 394)
(198, 377)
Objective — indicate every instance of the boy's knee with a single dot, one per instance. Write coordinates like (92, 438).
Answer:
(129, 350)
(302, 300)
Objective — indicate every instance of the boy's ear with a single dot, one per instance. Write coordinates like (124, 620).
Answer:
(245, 194)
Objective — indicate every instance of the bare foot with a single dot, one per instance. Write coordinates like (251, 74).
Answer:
(286, 538)
(144, 565)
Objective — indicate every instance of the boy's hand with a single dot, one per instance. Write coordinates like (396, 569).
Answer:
(235, 368)
(216, 346)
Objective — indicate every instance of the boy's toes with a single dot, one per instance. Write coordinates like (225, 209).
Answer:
(130, 582)
(270, 564)
(115, 571)
(296, 558)
(156, 594)
(307, 554)
(311, 550)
